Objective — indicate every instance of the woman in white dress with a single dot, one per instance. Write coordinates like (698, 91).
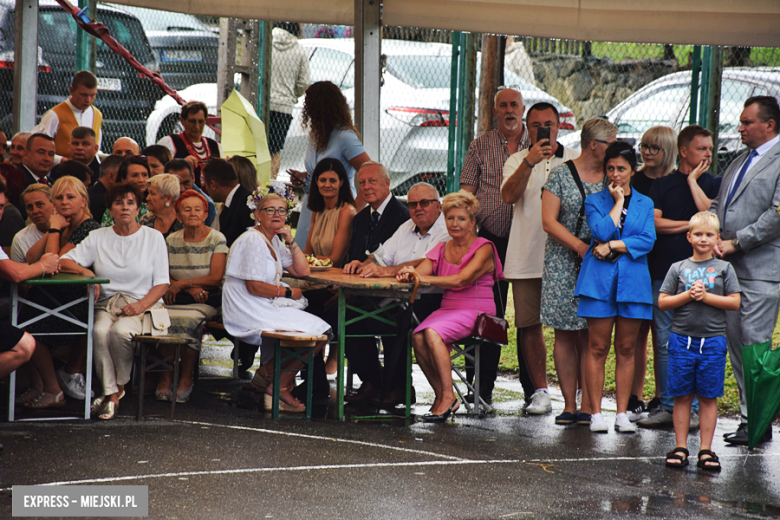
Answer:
(254, 299)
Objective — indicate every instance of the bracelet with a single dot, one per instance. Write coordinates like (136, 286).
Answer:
(44, 270)
(609, 245)
(278, 290)
(55, 231)
(527, 163)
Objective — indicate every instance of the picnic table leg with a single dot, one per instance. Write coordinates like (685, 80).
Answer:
(277, 377)
(310, 372)
(342, 346)
(408, 376)
(141, 378)
(176, 353)
(90, 327)
(12, 380)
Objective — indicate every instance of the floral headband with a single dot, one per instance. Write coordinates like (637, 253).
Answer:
(277, 187)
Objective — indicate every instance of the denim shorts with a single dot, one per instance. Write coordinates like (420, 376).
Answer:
(696, 365)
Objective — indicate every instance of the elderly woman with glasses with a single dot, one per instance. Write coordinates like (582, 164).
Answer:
(163, 193)
(614, 282)
(255, 299)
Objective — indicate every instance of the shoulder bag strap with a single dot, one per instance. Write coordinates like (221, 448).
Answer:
(576, 176)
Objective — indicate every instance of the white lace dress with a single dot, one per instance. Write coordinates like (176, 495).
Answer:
(245, 315)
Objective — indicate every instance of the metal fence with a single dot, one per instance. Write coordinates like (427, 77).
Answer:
(635, 85)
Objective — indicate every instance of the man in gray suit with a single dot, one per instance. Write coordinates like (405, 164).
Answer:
(750, 237)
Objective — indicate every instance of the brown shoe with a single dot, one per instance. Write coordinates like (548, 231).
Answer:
(366, 394)
(396, 397)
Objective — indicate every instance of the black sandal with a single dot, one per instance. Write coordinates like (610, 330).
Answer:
(675, 455)
(711, 463)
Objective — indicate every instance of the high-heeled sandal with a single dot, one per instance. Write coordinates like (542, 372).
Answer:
(162, 395)
(110, 410)
(429, 417)
(30, 395)
(47, 400)
(268, 403)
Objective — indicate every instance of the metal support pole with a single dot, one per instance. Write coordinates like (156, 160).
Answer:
(368, 73)
(264, 68)
(713, 100)
(86, 50)
(452, 176)
(466, 86)
(695, 71)
(25, 65)
(704, 96)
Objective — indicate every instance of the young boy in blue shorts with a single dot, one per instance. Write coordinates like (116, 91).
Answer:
(700, 290)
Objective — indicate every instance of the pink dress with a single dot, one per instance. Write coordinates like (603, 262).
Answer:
(460, 307)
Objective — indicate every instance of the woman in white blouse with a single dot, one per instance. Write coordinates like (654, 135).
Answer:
(254, 299)
(135, 287)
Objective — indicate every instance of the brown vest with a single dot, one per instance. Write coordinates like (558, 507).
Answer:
(68, 123)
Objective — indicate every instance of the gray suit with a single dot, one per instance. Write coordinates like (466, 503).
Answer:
(753, 219)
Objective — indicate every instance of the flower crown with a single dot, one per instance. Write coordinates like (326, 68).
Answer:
(277, 187)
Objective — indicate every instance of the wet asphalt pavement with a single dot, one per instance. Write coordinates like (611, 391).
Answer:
(215, 461)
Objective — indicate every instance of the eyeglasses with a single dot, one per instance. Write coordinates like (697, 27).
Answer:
(650, 149)
(270, 211)
(424, 203)
(604, 142)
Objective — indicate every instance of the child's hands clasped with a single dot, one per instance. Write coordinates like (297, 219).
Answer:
(697, 291)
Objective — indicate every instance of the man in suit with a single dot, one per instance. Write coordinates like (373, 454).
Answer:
(222, 186)
(746, 206)
(18, 149)
(83, 149)
(39, 159)
(375, 223)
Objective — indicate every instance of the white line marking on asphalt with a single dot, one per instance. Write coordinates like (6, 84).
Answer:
(322, 438)
(656, 457)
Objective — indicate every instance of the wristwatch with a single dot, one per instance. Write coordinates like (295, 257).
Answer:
(287, 292)
(735, 244)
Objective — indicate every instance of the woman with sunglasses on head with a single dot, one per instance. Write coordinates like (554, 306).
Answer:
(255, 299)
(659, 155)
(614, 282)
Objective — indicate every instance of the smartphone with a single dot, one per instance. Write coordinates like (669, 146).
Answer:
(542, 133)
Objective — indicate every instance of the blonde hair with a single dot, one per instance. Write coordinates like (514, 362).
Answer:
(704, 219)
(32, 188)
(666, 139)
(271, 196)
(68, 181)
(596, 128)
(167, 185)
(461, 199)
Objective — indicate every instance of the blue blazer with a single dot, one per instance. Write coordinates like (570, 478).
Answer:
(630, 272)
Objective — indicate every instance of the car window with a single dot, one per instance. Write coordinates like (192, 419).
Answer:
(660, 107)
(332, 65)
(732, 100)
(153, 20)
(421, 71)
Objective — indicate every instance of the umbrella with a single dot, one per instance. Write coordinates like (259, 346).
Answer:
(761, 369)
(404, 324)
(244, 134)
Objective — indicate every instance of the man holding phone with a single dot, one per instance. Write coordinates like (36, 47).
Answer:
(525, 173)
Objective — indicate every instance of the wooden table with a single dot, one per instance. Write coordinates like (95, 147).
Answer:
(352, 284)
(61, 312)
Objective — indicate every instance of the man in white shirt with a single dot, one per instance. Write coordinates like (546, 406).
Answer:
(525, 173)
(407, 246)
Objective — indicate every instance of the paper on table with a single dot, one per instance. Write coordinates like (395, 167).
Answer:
(244, 134)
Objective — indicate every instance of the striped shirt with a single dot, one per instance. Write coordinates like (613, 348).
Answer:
(193, 259)
(484, 168)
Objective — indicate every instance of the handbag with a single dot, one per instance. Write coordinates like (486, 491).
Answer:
(156, 322)
(214, 299)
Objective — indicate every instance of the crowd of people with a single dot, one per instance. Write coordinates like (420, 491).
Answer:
(596, 248)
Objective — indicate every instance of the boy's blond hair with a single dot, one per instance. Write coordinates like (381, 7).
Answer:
(704, 219)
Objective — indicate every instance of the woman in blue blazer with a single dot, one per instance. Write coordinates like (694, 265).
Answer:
(614, 283)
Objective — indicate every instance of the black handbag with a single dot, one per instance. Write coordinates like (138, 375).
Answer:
(581, 216)
(214, 299)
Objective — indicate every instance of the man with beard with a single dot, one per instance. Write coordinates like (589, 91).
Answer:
(483, 172)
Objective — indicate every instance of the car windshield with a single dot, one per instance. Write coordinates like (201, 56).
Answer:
(154, 20)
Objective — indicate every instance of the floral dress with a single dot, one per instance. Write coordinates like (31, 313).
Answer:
(559, 306)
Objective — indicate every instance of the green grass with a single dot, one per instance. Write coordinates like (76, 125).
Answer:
(762, 56)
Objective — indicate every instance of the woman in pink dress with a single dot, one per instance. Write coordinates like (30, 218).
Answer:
(466, 268)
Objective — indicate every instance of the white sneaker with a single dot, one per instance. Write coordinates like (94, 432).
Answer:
(73, 385)
(597, 424)
(540, 403)
(623, 424)
(578, 399)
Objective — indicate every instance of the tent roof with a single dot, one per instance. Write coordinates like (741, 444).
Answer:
(702, 22)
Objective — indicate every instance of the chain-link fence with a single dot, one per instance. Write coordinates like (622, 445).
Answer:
(634, 85)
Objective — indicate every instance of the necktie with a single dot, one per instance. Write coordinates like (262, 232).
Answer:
(371, 227)
(740, 177)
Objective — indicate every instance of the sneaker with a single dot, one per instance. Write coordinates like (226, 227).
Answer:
(578, 399)
(658, 418)
(540, 403)
(74, 385)
(654, 403)
(636, 407)
(623, 424)
(597, 424)
(694, 421)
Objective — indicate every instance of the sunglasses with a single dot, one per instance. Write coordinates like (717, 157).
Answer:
(512, 87)
(424, 203)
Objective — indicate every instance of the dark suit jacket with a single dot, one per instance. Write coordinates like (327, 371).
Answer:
(237, 217)
(29, 178)
(394, 215)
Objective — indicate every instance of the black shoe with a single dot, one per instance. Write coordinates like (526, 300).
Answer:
(429, 417)
(654, 403)
(635, 408)
(366, 394)
(396, 397)
(487, 398)
(740, 437)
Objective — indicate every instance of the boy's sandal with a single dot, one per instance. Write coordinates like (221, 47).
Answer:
(677, 455)
(711, 463)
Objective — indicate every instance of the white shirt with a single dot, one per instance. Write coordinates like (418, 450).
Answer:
(408, 244)
(525, 250)
(3, 256)
(229, 198)
(23, 241)
(381, 208)
(50, 123)
(134, 263)
(760, 152)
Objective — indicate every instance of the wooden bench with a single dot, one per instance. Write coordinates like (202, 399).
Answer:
(287, 346)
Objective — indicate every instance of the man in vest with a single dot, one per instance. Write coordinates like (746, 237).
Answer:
(75, 111)
(190, 144)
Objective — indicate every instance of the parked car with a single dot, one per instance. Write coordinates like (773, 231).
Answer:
(186, 47)
(666, 101)
(124, 98)
(414, 106)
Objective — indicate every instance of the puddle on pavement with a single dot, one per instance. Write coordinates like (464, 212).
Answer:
(653, 505)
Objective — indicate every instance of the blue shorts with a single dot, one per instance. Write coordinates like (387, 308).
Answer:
(593, 308)
(696, 365)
